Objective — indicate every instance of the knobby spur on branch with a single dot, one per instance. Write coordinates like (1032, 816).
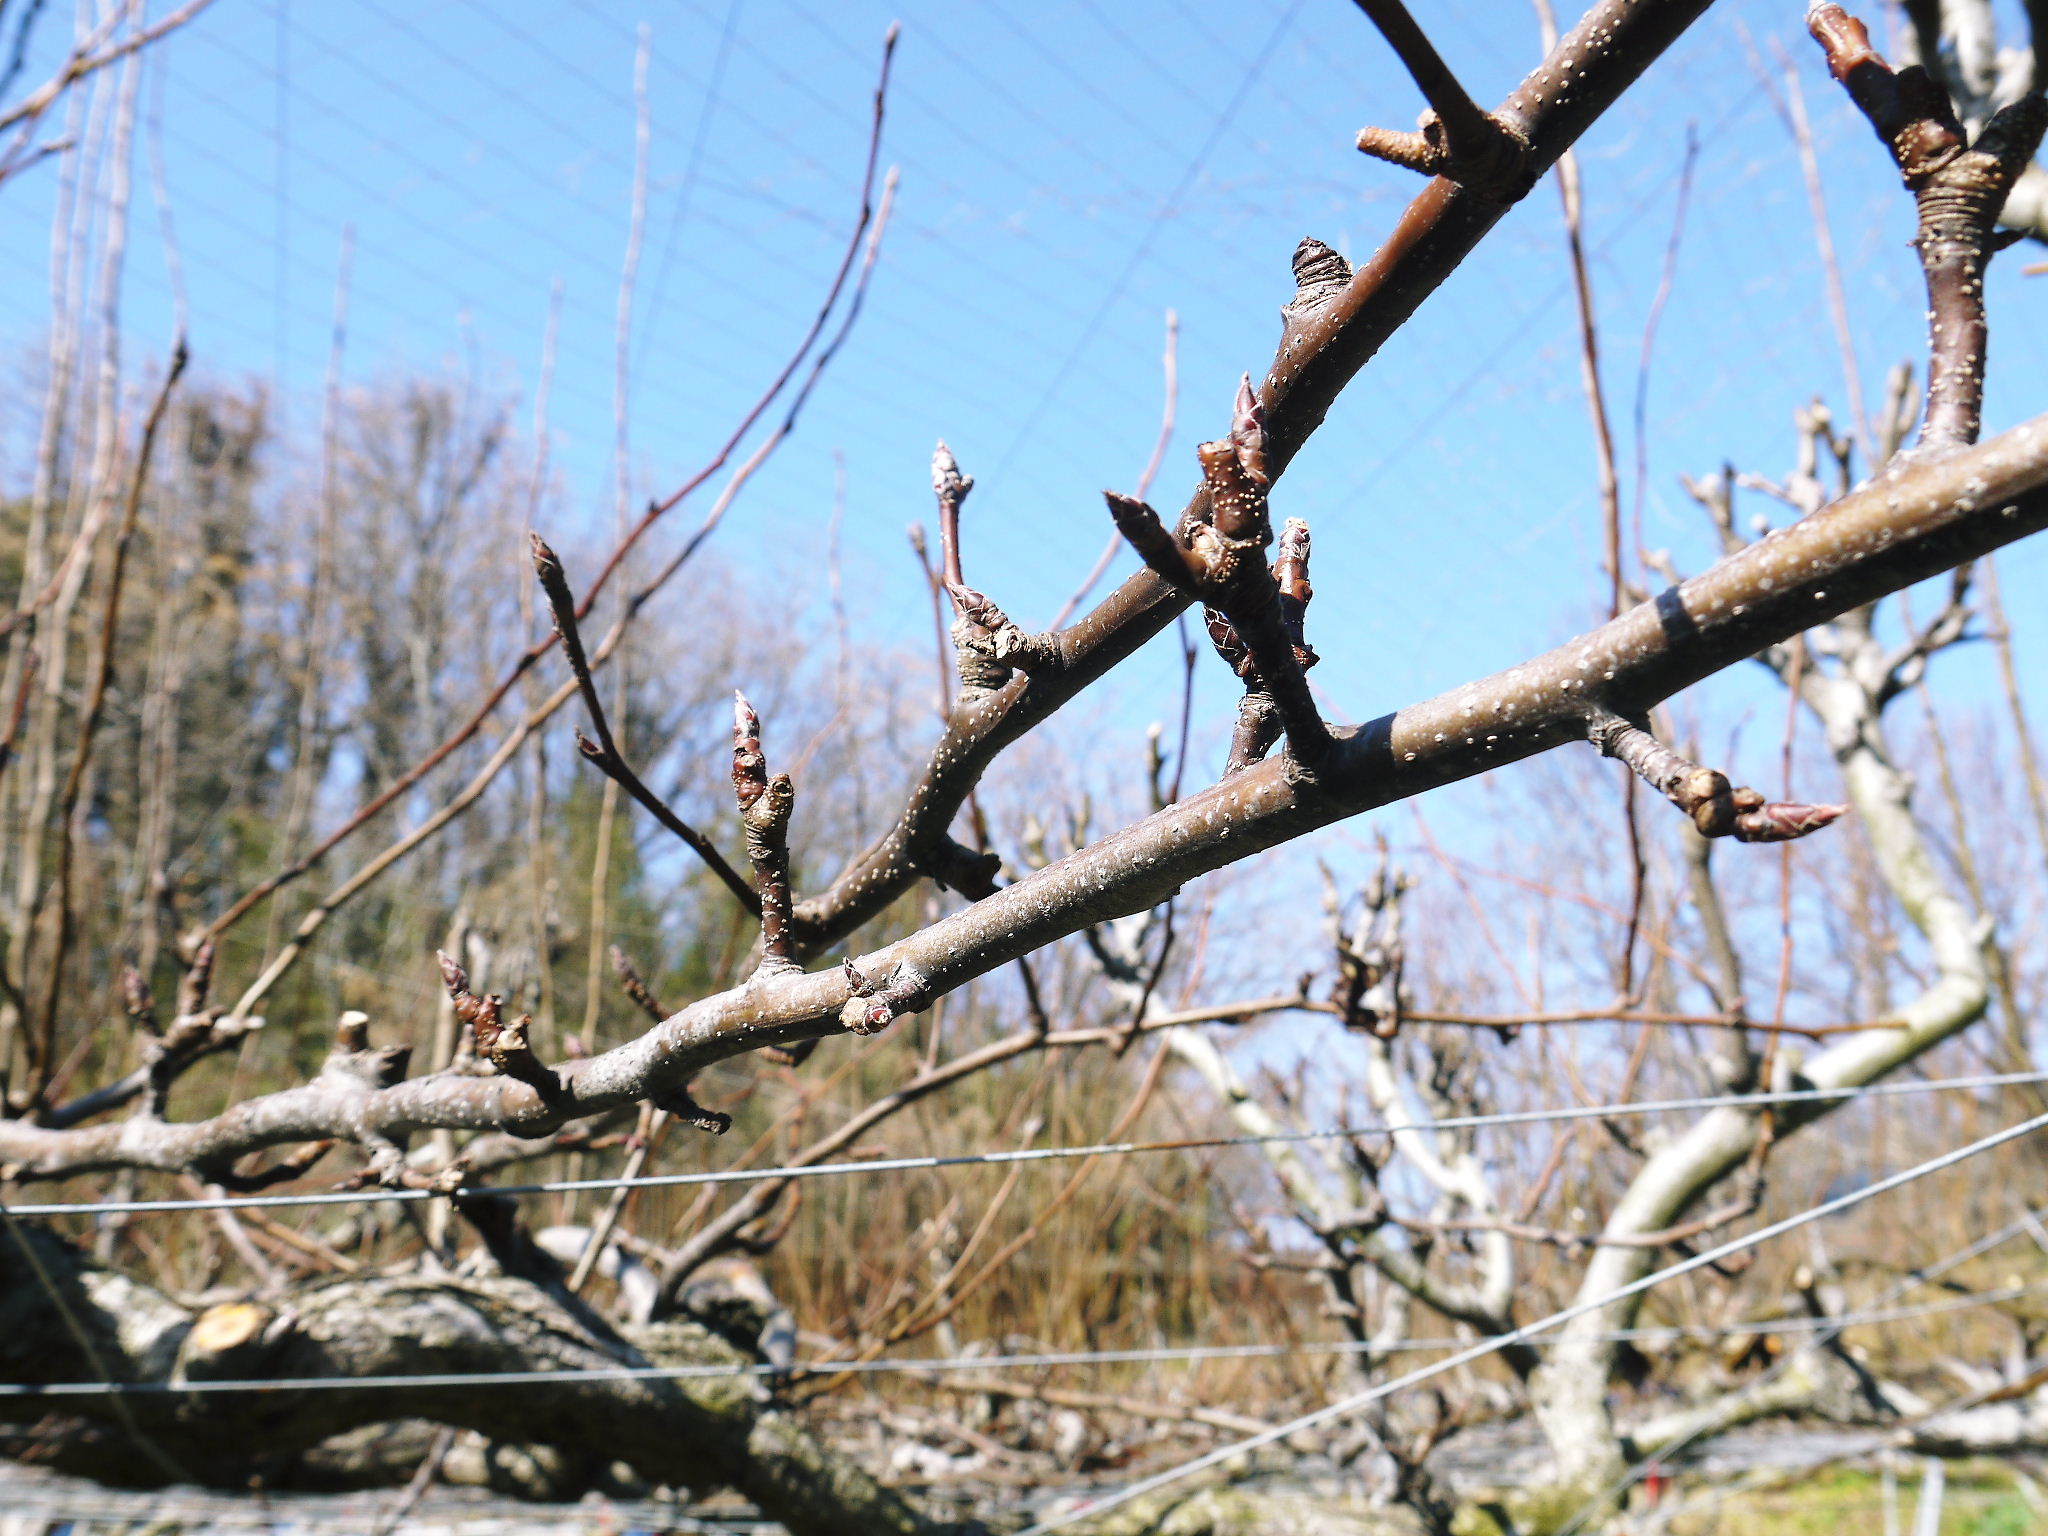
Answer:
(650, 1386)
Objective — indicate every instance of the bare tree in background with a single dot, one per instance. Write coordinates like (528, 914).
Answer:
(202, 661)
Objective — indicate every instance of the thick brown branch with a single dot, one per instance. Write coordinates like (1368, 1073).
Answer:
(1145, 533)
(1258, 721)
(1338, 320)
(1874, 541)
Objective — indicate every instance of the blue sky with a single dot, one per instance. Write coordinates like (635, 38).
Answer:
(1069, 172)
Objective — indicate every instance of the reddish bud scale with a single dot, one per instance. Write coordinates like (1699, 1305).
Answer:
(1234, 469)
(1780, 822)
(749, 765)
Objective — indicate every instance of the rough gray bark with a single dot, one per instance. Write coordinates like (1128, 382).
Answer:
(1225, 1511)
(92, 1323)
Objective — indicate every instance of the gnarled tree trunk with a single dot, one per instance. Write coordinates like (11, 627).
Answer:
(65, 1318)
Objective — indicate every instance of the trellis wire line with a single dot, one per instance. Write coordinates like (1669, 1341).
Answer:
(1031, 1154)
(935, 1365)
(1886, 1438)
(1831, 1329)
(1479, 1351)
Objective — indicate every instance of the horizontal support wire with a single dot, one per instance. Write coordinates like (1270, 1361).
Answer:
(1162, 1355)
(1346, 1406)
(1036, 1154)
(1826, 1333)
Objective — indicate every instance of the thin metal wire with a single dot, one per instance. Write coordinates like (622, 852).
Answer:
(1159, 1355)
(1043, 1154)
(1832, 1329)
(1349, 1405)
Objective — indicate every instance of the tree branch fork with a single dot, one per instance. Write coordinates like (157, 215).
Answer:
(1334, 325)
(1927, 518)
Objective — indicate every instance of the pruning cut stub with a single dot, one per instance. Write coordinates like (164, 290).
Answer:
(1491, 160)
(1455, 138)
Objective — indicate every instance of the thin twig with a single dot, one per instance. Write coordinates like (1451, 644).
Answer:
(89, 57)
(851, 268)
(1457, 139)
(603, 753)
(95, 708)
